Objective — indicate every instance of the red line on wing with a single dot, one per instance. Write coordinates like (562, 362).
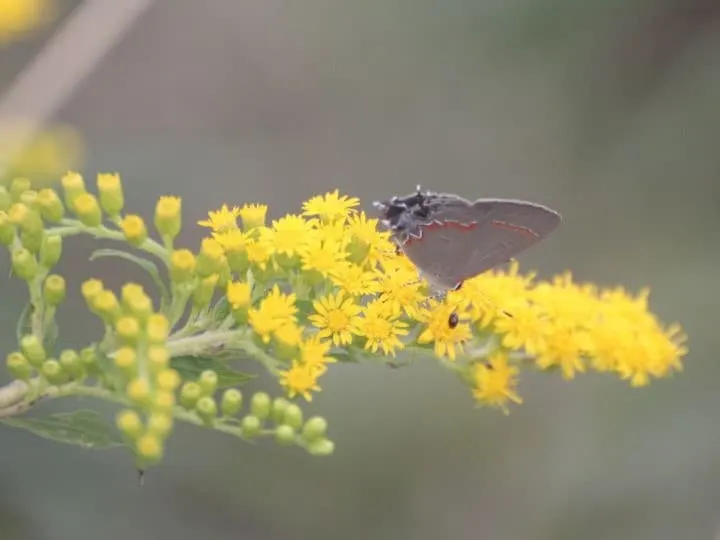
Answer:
(436, 225)
(516, 228)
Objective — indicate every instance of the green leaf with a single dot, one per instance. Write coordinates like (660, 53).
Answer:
(150, 267)
(190, 367)
(83, 428)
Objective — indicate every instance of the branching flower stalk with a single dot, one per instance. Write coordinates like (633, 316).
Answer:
(292, 297)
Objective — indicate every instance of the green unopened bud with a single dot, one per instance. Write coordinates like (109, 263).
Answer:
(260, 405)
(160, 424)
(32, 240)
(5, 199)
(70, 362)
(231, 402)
(19, 186)
(106, 305)
(19, 366)
(111, 193)
(190, 393)
(33, 349)
(157, 328)
(26, 218)
(208, 382)
(129, 424)
(279, 407)
(284, 435)
(53, 372)
(50, 250)
(138, 390)
(54, 290)
(210, 258)
(126, 361)
(50, 205)
(251, 426)
(7, 229)
(321, 447)
(87, 209)
(167, 216)
(128, 329)
(30, 198)
(203, 293)
(73, 186)
(293, 416)
(206, 409)
(158, 358)
(182, 265)
(134, 229)
(88, 359)
(24, 264)
(315, 428)
(149, 449)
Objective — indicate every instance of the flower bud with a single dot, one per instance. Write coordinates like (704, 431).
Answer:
(29, 198)
(32, 240)
(33, 350)
(7, 229)
(208, 382)
(128, 329)
(231, 402)
(88, 359)
(210, 258)
(321, 447)
(158, 358)
(284, 435)
(19, 366)
(106, 305)
(168, 380)
(5, 199)
(160, 424)
(167, 216)
(50, 250)
(315, 428)
(260, 405)
(90, 289)
(190, 394)
(182, 265)
(19, 186)
(149, 448)
(253, 215)
(140, 305)
(111, 193)
(279, 407)
(138, 390)
(157, 328)
(53, 372)
(70, 362)
(50, 205)
(24, 264)
(293, 416)
(164, 402)
(87, 209)
(204, 291)
(287, 341)
(134, 229)
(251, 426)
(26, 218)
(129, 424)
(206, 409)
(73, 186)
(126, 361)
(54, 290)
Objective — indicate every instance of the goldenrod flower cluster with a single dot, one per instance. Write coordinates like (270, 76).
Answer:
(292, 295)
(18, 17)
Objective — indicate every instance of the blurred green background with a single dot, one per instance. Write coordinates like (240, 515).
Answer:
(608, 111)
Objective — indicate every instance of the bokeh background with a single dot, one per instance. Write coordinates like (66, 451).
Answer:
(606, 110)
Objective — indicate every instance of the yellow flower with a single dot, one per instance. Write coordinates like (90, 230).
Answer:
(313, 353)
(258, 252)
(564, 348)
(354, 280)
(523, 328)
(288, 235)
(495, 384)
(231, 239)
(447, 339)
(239, 294)
(253, 215)
(381, 329)
(323, 257)
(275, 310)
(222, 220)
(336, 317)
(300, 379)
(401, 288)
(330, 207)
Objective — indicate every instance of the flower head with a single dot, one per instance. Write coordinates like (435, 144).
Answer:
(448, 339)
(495, 382)
(331, 206)
(336, 317)
(300, 380)
(222, 220)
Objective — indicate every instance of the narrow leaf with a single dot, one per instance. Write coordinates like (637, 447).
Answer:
(190, 367)
(83, 428)
(150, 267)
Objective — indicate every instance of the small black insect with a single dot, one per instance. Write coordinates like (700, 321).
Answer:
(453, 320)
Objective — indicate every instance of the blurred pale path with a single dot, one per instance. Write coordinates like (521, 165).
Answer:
(234, 100)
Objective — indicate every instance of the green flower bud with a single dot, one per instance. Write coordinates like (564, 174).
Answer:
(285, 435)
(24, 264)
(70, 362)
(33, 350)
(204, 291)
(167, 216)
(87, 210)
(29, 198)
(111, 193)
(315, 428)
(158, 358)
(260, 405)
(138, 390)
(160, 424)
(182, 265)
(134, 229)
(5, 199)
(251, 426)
(206, 409)
(32, 240)
(73, 186)
(19, 366)
(208, 382)
(321, 447)
(293, 416)
(129, 424)
(190, 394)
(19, 186)
(231, 402)
(211, 257)
(53, 372)
(149, 448)
(7, 229)
(126, 361)
(54, 290)
(50, 205)
(50, 250)
(26, 218)
(88, 359)
(279, 407)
